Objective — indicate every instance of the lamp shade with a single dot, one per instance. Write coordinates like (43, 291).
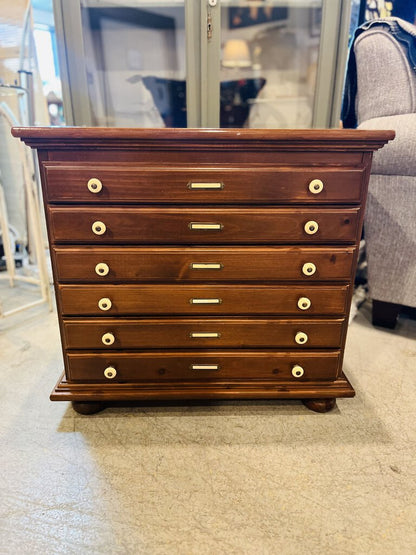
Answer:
(236, 53)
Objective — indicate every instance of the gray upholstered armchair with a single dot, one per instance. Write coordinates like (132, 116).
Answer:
(386, 99)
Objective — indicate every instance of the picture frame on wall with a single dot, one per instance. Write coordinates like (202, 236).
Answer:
(247, 17)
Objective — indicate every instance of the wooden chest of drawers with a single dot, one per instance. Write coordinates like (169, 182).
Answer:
(203, 264)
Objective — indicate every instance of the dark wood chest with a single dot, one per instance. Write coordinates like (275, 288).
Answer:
(203, 264)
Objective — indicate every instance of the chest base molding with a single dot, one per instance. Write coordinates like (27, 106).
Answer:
(221, 389)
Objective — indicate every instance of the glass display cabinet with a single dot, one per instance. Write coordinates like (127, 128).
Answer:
(203, 63)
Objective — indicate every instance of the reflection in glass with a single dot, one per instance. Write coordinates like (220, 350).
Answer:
(135, 59)
(269, 62)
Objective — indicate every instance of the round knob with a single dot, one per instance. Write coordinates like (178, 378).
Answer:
(110, 372)
(301, 338)
(304, 303)
(308, 269)
(297, 371)
(98, 228)
(316, 186)
(94, 185)
(108, 338)
(104, 304)
(102, 269)
(311, 227)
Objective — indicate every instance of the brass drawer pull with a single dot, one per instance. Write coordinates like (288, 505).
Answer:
(110, 372)
(102, 269)
(205, 301)
(297, 371)
(301, 338)
(216, 185)
(94, 185)
(205, 226)
(108, 338)
(316, 186)
(204, 334)
(311, 227)
(99, 228)
(104, 304)
(304, 303)
(205, 366)
(308, 269)
(207, 266)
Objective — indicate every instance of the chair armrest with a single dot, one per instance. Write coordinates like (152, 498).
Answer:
(399, 156)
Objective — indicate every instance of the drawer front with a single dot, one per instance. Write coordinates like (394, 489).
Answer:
(105, 265)
(85, 183)
(110, 334)
(202, 226)
(108, 300)
(200, 366)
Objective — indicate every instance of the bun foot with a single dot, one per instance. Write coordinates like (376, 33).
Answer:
(320, 405)
(84, 407)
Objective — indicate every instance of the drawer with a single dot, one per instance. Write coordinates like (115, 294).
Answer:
(193, 333)
(110, 183)
(203, 225)
(111, 265)
(107, 300)
(202, 366)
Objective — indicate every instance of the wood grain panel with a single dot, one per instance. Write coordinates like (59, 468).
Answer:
(186, 333)
(202, 264)
(126, 183)
(176, 299)
(167, 366)
(172, 225)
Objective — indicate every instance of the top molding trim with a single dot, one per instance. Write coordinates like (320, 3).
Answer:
(197, 139)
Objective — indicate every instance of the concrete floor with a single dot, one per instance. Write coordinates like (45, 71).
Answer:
(221, 478)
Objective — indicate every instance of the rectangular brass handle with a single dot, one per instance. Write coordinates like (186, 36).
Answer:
(205, 366)
(205, 301)
(197, 334)
(206, 266)
(205, 226)
(200, 185)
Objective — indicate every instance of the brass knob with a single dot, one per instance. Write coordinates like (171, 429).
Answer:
(297, 371)
(316, 186)
(94, 185)
(99, 228)
(110, 372)
(304, 303)
(301, 338)
(311, 227)
(309, 269)
(108, 338)
(102, 269)
(104, 304)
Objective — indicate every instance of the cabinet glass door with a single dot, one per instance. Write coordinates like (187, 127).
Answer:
(135, 63)
(269, 60)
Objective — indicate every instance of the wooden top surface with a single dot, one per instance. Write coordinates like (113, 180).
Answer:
(280, 139)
